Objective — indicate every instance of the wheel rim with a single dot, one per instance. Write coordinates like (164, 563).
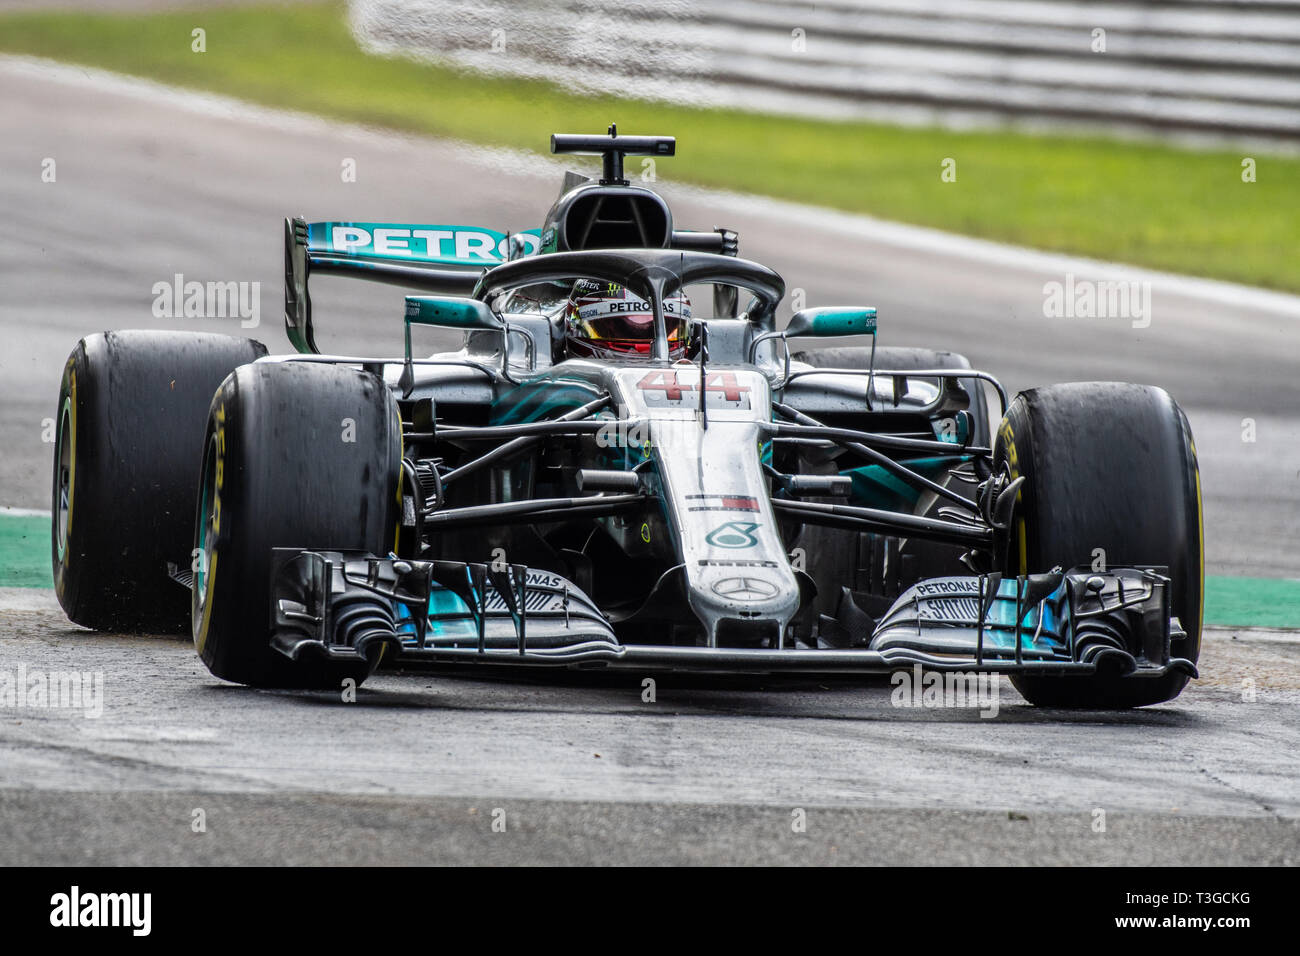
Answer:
(206, 540)
(63, 479)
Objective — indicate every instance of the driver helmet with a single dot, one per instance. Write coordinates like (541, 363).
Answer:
(606, 320)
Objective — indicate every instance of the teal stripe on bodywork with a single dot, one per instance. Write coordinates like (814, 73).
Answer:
(449, 616)
(538, 401)
(874, 486)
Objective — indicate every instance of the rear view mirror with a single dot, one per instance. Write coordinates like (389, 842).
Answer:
(453, 312)
(830, 321)
(825, 322)
(448, 312)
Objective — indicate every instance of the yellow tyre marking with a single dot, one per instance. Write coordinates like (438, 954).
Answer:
(401, 444)
(201, 638)
(1200, 528)
(72, 460)
(1013, 469)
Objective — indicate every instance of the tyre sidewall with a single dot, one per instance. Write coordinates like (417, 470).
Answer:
(264, 500)
(1110, 475)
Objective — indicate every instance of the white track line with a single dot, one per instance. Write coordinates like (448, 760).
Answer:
(28, 599)
(520, 162)
(7, 512)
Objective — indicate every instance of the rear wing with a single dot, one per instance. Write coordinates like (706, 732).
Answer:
(432, 258)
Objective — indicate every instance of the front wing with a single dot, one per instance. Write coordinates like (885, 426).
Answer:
(350, 605)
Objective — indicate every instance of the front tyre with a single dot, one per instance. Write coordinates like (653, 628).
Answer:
(1110, 476)
(298, 455)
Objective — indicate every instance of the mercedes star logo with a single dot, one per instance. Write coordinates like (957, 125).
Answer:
(745, 589)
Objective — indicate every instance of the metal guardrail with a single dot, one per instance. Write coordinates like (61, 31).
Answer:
(1224, 68)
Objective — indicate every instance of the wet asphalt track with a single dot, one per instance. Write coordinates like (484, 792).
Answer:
(584, 770)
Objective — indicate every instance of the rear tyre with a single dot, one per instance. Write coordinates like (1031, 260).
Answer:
(298, 455)
(129, 432)
(833, 556)
(1107, 466)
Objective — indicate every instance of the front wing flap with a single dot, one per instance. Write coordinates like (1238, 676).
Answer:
(348, 604)
(1119, 620)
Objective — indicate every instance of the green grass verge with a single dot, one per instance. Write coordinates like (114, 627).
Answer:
(1252, 602)
(25, 552)
(1229, 602)
(1147, 204)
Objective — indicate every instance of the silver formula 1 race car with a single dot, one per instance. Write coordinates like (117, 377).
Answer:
(604, 476)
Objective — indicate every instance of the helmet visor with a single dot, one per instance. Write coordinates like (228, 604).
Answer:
(621, 320)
